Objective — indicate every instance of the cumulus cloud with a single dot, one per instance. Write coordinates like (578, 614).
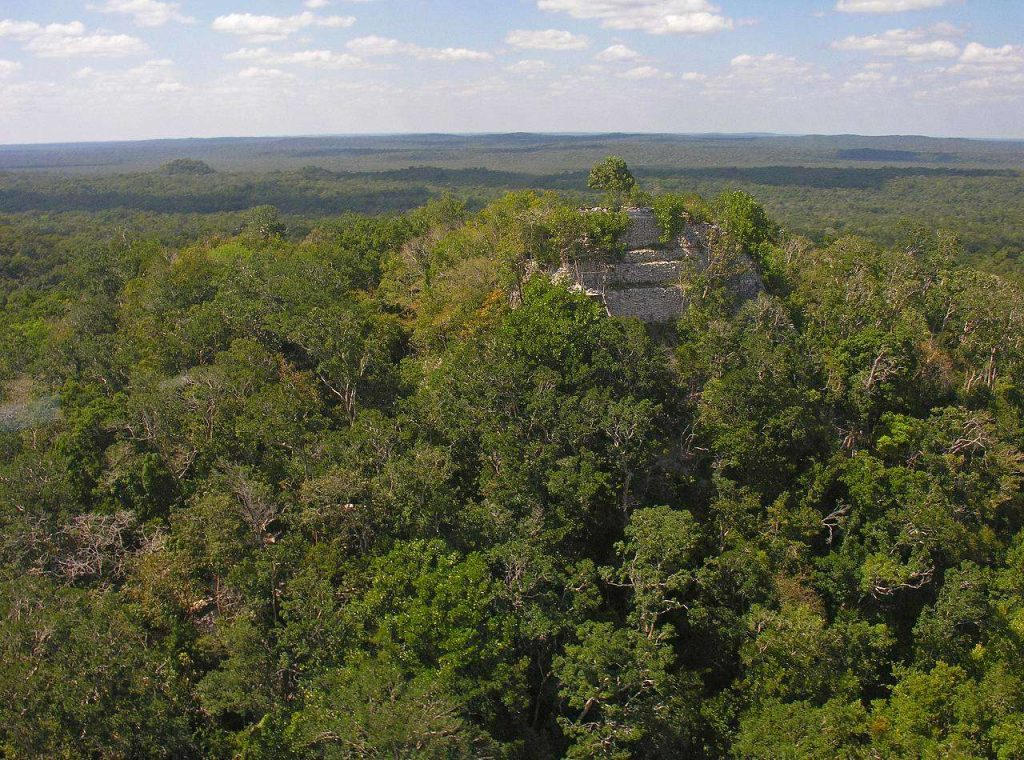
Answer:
(8, 68)
(645, 72)
(528, 67)
(336, 22)
(689, 17)
(888, 6)
(759, 74)
(980, 74)
(259, 73)
(156, 77)
(1005, 58)
(772, 65)
(275, 28)
(145, 12)
(373, 46)
(321, 59)
(618, 53)
(69, 40)
(913, 44)
(316, 4)
(546, 39)
(871, 77)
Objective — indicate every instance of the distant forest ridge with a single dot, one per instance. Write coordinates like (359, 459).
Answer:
(518, 151)
(822, 187)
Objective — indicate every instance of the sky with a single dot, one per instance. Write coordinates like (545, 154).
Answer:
(84, 70)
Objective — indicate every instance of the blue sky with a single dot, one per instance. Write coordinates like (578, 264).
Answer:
(131, 69)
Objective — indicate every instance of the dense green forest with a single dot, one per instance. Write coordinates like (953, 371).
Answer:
(280, 484)
(820, 187)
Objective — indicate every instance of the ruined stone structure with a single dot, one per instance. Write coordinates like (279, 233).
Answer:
(651, 280)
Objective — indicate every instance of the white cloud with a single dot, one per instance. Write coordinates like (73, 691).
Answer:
(275, 28)
(1005, 58)
(24, 30)
(912, 44)
(373, 46)
(69, 40)
(145, 12)
(99, 45)
(981, 74)
(250, 54)
(771, 64)
(266, 75)
(691, 17)
(645, 72)
(322, 59)
(618, 53)
(546, 39)
(316, 4)
(336, 22)
(152, 78)
(755, 75)
(888, 6)
(482, 88)
(8, 68)
(262, 28)
(694, 76)
(528, 67)
(871, 77)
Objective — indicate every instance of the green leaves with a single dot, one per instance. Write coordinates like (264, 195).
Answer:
(612, 177)
(432, 610)
(657, 565)
(390, 491)
(371, 708)
(624, 698)
(743, 218)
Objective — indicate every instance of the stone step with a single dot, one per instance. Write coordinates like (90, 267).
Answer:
(648, 304)
(675, 253)
(648, 272)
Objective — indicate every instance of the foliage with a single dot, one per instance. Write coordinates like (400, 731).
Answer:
(613, 178)
(376, 486)
(186, 166)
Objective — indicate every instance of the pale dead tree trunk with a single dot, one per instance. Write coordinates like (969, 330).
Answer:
(253, 501)
(97, 545)
(834, 520)
(917, 579)
(346, 394)
(870, 381)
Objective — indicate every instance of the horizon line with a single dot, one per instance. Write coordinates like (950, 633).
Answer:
(351, 135)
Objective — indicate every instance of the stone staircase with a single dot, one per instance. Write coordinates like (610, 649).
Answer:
(648, 281)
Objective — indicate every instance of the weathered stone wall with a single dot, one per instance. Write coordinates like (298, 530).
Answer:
(644, 231)
(662, 272)
(657, 304)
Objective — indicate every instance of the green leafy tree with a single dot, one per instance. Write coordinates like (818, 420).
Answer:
(263, 224)
(625, 697)
(612, 177)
